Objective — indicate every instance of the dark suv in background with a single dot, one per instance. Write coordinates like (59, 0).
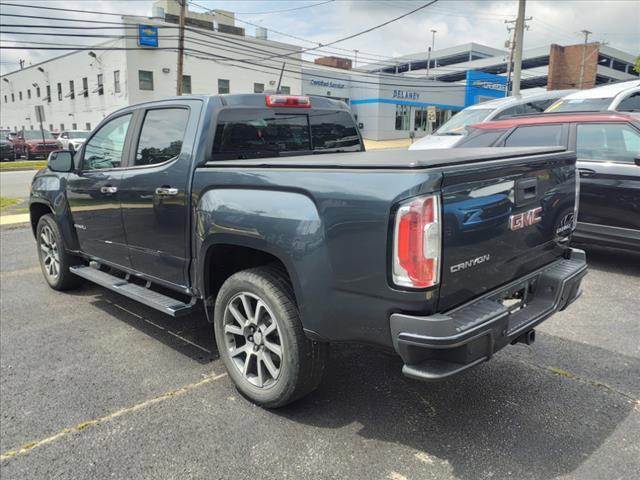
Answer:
(608, 149)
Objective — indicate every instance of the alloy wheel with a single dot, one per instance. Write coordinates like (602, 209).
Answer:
(252, 338)
(49, 253)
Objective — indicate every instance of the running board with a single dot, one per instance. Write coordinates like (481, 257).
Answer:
(150, 298)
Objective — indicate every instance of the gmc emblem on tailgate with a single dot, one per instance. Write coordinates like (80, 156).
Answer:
(524, 219)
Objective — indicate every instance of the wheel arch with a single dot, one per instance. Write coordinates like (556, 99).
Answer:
(222, 257)
(36, 211)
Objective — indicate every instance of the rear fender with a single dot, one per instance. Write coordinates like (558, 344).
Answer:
(283, 224)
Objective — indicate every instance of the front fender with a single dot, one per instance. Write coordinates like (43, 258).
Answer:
(284, 224)
(49, 189)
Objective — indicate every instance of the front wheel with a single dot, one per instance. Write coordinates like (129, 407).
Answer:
(260, 339)
(54, 259)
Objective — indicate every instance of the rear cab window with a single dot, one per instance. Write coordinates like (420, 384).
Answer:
(269, 132)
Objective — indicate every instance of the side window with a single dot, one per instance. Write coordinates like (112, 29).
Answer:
(611, 142)
(509, 112)
(162, 135)
(536, 136)
(480, 138)
(630, 104)
(105, 148)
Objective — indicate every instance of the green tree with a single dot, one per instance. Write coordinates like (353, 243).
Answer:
(637, 65)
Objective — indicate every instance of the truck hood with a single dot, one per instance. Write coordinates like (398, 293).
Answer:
(436, 141)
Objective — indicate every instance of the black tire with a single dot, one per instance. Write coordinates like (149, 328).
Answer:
(302, 361)
(27, 155)
(50, 248)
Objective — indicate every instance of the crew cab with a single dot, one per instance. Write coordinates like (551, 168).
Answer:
(266, 212)
(608, 151)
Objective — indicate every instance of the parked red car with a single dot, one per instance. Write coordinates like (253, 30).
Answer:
(30, 144)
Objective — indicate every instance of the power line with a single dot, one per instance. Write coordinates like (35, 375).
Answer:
(285, 10)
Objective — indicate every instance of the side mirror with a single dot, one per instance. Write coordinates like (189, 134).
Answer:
(60, 161)
(637, 160)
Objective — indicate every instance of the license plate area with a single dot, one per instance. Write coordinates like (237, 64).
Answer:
(516, 299)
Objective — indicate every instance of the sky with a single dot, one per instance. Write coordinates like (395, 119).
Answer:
(616, 22)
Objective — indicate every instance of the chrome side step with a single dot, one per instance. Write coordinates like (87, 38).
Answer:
(150, 298)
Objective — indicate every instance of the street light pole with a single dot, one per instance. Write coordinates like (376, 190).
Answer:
(433, 47)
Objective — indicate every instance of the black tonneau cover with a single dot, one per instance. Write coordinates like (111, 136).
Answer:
(388, 158)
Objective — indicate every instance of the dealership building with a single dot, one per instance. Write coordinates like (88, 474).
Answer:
(389, 100)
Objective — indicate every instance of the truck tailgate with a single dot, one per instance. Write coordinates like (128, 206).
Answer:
(502, 219)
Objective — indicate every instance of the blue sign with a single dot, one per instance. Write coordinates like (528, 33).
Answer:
(147, 35)
(481, 86)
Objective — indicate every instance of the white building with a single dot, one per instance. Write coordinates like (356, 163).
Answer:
(79, 89)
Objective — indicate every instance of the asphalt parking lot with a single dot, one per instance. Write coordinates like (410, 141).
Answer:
(96, 386)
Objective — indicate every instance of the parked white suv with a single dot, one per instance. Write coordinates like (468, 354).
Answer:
(454, 130)
(621, 97)
(72, 140)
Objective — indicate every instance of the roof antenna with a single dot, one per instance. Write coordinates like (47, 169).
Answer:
(280, 79)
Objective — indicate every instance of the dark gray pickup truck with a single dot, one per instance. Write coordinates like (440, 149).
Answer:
(266, 212)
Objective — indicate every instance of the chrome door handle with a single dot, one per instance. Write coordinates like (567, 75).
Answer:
(167, 191)
(586, 172)
(108, 190)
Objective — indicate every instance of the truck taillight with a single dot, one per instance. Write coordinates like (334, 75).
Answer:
(416, 246)
(288, 101)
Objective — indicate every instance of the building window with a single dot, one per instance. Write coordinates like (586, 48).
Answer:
(29, 93)
(38, 92)
(402, 117)
(85, 87)
(62, 127)
(13, 98)
(186, 84)
(74, 126)
(30, 127)
(145, 80)
(20, 96)
(48, 93)
(59, 92)
(51, 127)
(285, 90)
(223, 86)
(6, 100)
(258, 87)
(100, 85)
(72, 93)
(116, 81)
(87, 126)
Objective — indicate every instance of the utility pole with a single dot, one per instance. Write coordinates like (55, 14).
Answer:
(584, 54)
(510, 45)
(519, 37)
(183, 6)
(428, 60)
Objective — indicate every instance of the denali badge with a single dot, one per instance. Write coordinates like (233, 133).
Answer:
(524, 219)
(470, 263)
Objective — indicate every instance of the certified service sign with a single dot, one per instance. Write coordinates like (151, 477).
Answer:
(147, 35)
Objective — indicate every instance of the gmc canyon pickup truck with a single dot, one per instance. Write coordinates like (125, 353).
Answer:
(266, 212)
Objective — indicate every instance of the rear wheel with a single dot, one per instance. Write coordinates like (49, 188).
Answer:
(260, 339)
(54, 259)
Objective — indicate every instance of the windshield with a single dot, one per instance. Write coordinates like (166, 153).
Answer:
(580, 105)
(78, 134)
(456, 124)
(37, 135)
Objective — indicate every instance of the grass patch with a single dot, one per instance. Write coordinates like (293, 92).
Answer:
(33, 165)
(7, 202)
